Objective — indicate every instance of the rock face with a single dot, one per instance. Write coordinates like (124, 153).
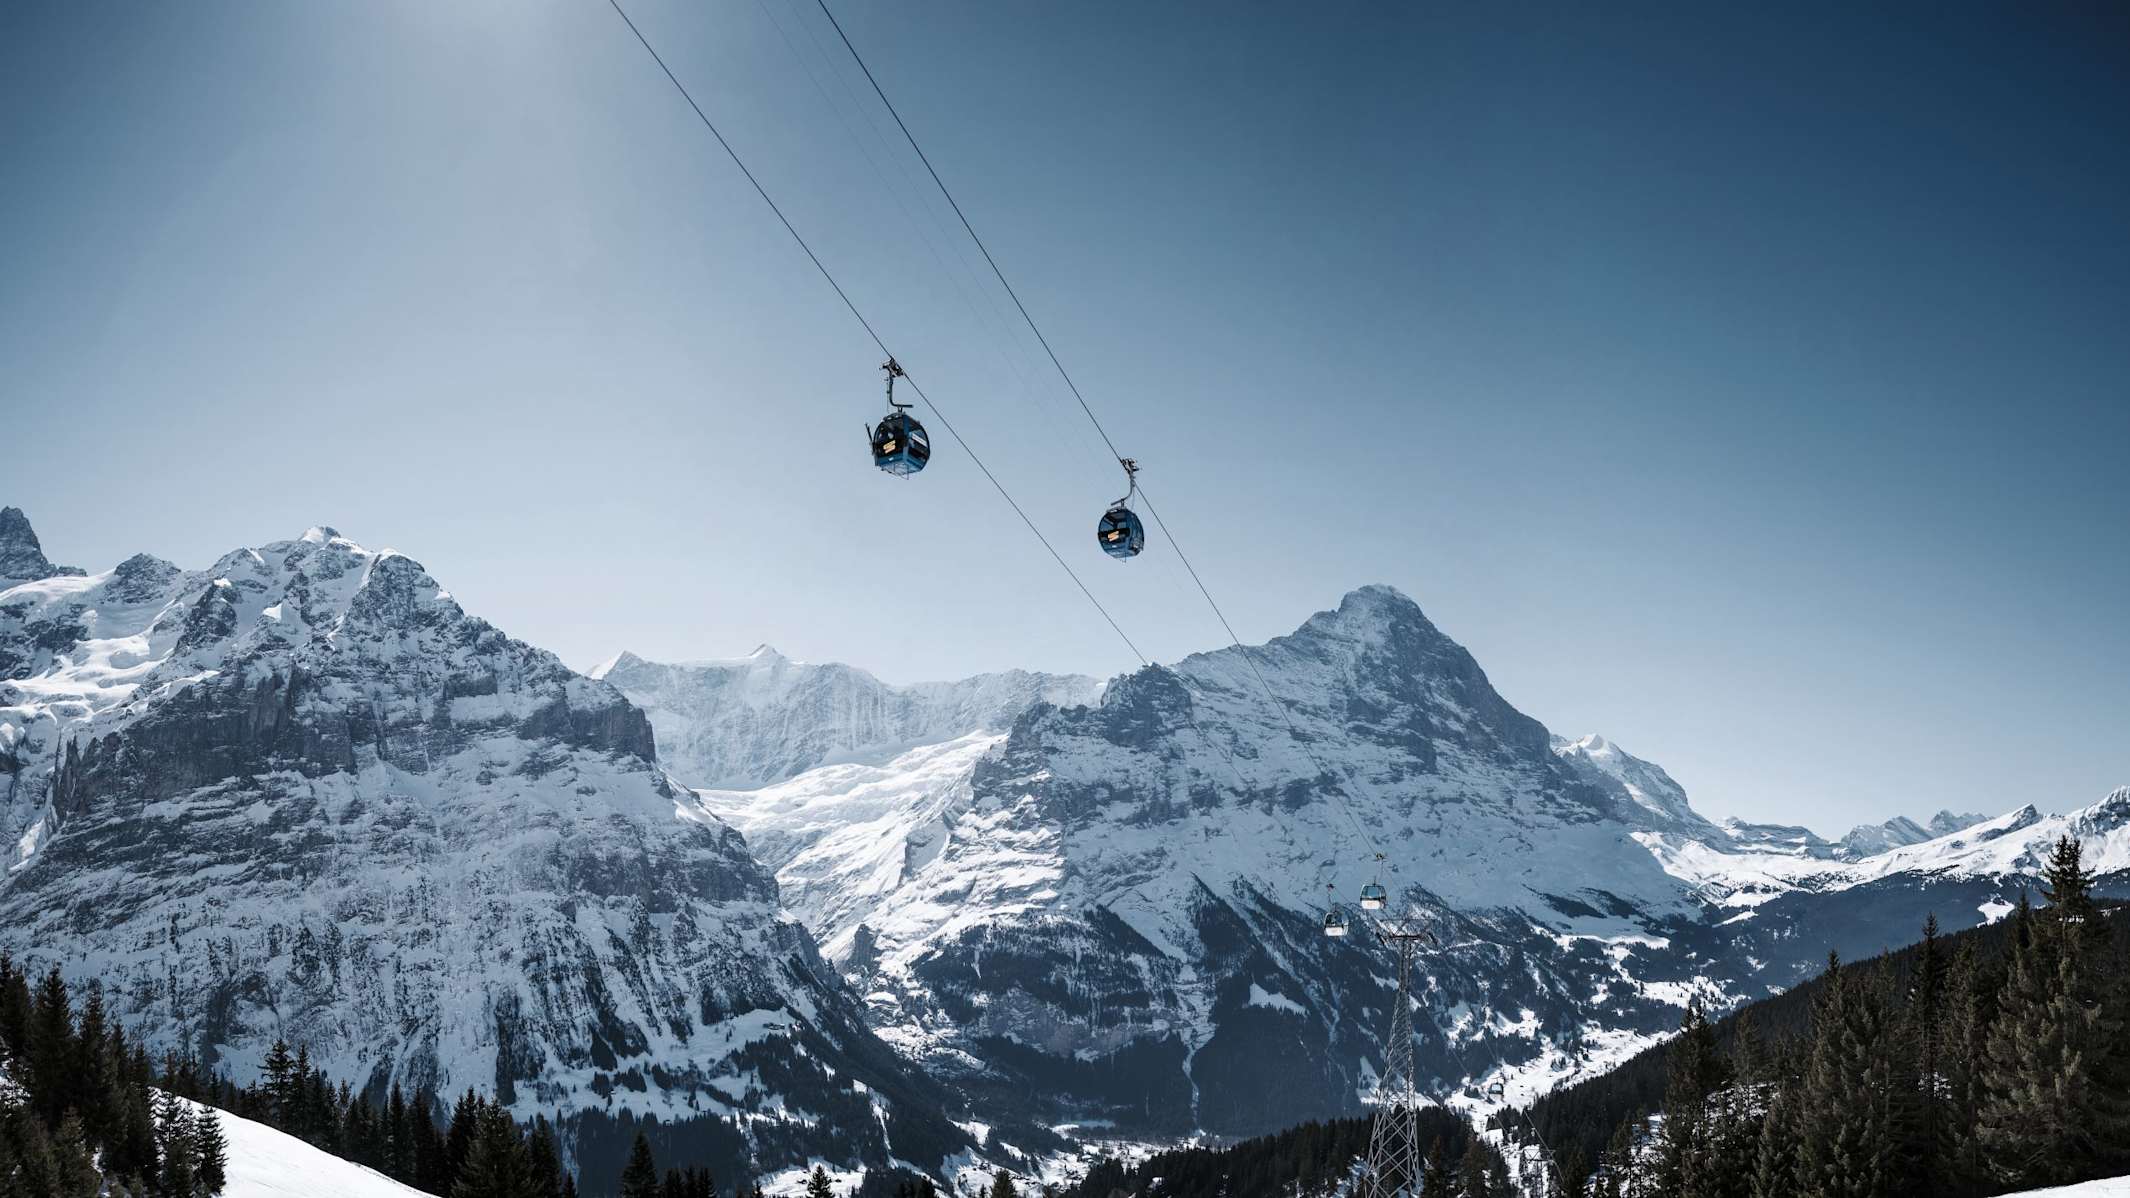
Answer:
(21, 555)
(302, 794)
(1109, 914)
(762, 718)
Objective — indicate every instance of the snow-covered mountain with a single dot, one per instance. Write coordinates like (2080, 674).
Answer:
(301, 793)
(762, 718)
(1114, 906)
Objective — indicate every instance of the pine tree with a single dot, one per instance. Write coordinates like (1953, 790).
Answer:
(132, 1153)
(459, 1137)
(280, 1094)
(37, 1170)
(639, 1178)
(2053, 1108)
(1435, 1179)
(1472, 1171)
(92, 1071)
(1001, 1186)
(1849, 1152)
(50, 1049)
(214, 1152)
(1498, 1183)
(543, 1160)
(74, 1159)
(180, 1152)
(1686, 1144)
(398, 1138)
(1616, 1167)
(1925, 1020)
(495, 1164)
(1775, 1163)
(432, 1158)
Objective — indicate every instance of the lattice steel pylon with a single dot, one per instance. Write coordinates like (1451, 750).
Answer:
(1394, 1140)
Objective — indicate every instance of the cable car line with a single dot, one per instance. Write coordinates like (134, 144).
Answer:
(1250, 659)
(953, 203)
(930, 405)
(901, 173)
(895, 370)
(1119, 536)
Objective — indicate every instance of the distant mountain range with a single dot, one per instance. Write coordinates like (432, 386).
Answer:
(301, 792)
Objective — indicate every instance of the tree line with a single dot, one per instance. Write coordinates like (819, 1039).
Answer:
(1312, 1159)
(79, 1115)
(1948, 1072)
(86, 1112)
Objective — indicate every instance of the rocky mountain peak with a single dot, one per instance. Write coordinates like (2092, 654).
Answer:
(22, 556)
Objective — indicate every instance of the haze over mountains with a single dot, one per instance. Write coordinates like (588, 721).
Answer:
(301, 792)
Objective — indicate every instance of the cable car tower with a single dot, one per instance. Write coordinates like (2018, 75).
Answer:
(1394, 1169)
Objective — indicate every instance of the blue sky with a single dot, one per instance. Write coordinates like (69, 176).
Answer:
(1749, 387)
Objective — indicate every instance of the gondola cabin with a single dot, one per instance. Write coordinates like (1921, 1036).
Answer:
(900, 445)
(1120, 534)
(1334, 922)
(1374, 897)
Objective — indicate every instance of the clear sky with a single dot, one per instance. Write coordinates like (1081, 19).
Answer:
(1750, 387)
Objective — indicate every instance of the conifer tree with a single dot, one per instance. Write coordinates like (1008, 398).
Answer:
(214, 1152)
(1848, 1153)
(398, 1137)
(74, 1160)
(1687, 1141)
(133, 1152)
(639, 1178)
(93, 1073)
(1775, 1164)
(543, 1160)
(37, 1167)
(14, 1007)
(1472, 1172)
(280, 1093)
(1435, 1179)
(2053, 1110)
(179, 1150)
(459, 1137)
(432, 1161)
(1616, 1168)
(495, 1164)
(1498, 1183)
(1925, 1021)
(50, 1048)
(1001, 1186)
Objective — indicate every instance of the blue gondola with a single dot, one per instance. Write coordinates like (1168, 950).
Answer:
(1119, 533)
(900, 445)
(1374, 897)
(1334, 922)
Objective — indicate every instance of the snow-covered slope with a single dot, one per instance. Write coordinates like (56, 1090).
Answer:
(764, 717)
(2011, 846)
(1109, 913)
(265, 1163)
(303, 794)
(2109, 1187)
